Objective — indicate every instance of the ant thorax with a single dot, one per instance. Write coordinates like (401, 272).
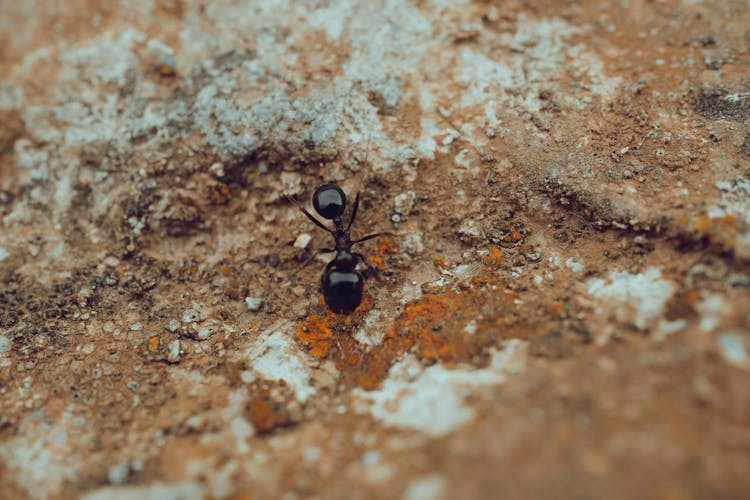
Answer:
(344, 261)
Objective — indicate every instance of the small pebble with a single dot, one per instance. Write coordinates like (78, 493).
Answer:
(302, 240)
(413, 244)
(217, 169)
(173, 351)
(733, 348)
(111, 261)
(404, 202)
(119, 473)
(254, 303)
(190, 316)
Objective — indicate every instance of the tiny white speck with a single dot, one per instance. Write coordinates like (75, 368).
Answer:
(119, 473)
(254, 303)
(247, 377)
(311, 455)
(426, 488)
(302, 240)
(732, 348)
(574, 266)
(173, 351)
(4, 344)
(370, 457)
(189, 316)
(470, 328)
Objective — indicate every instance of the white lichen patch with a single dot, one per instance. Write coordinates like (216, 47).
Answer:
(153, 491)
(4, 346)
(712, 309)
(431, 399)
(573, 265)
(732, 345)
(538, 52)
(430, 487)
(41, 458)
(372, 330)
(636, 299)
(275, 356)
(734, 201)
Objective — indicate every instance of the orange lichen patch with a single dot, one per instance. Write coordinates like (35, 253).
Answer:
(226, 317)
(385, 246)
(721, 232)
(422, 320)
(317, 332)
(269, 406)
(167, 70)
(514, 237)
(232, 287)
(320, 333)
(153, 343)
(495, 257)
(431, 328)
(691, 297)
(378, 262)
(242, 495)
(682, 305)
(513, 327)
(262, 414)
(233, 372)
(556, 309)
(220, 194)
(439, 262)
(448, 326)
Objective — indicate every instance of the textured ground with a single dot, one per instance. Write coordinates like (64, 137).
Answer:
(562, 312)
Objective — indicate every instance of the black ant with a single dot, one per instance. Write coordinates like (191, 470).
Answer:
(341, 282)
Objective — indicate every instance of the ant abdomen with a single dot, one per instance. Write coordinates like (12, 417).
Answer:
(342, 290)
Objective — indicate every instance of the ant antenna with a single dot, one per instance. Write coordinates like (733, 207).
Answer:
(355, 207)
(309, 215)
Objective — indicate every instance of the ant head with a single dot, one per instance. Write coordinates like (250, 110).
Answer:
(329, 201)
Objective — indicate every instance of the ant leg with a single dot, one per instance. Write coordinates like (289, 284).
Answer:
(354, 211)
(370, 268)
(324, 274)
(309, 215)
(310, 258)
(374, 235)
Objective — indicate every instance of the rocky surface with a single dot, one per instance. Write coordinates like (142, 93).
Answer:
(562, 311)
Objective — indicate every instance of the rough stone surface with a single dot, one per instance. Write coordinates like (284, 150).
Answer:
(561, 312)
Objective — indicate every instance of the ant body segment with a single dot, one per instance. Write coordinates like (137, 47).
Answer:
(341, 282)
